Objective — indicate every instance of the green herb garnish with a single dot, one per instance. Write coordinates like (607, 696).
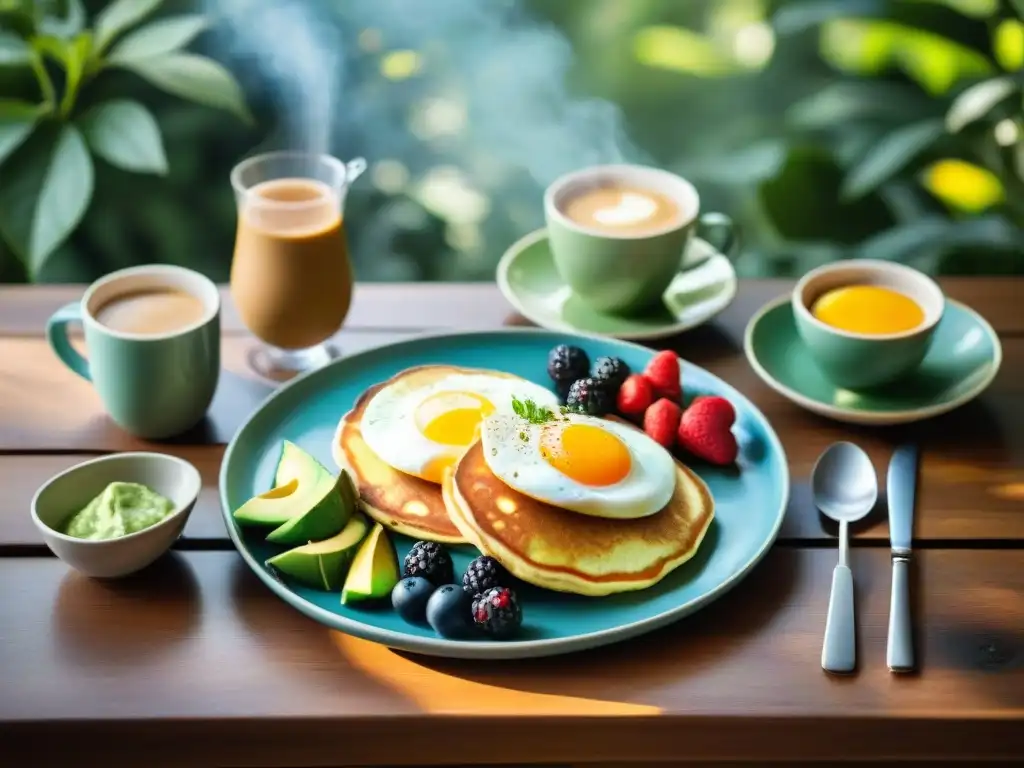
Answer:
(533, 413)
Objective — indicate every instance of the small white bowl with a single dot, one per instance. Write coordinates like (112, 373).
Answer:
(68, 492)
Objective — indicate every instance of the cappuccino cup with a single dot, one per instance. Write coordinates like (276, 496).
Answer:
(619, 234)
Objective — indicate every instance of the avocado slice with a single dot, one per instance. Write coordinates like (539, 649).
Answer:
(374, 570)
(325, 513)
(323, 564)
(295, 485)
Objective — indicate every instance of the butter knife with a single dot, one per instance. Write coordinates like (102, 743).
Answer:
(901, 485)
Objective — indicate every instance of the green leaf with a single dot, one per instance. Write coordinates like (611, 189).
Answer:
(46, 190)
(119, 16)
(159, 38)
(196, 78)
(799, 17)
(70, 25)
(977, 101)
(840, 102)
(125, 134)
(890, 156)
(19, 16)
(1018, 6)
(17, 119)
(13, 50)
(76, 57)
(936, 235)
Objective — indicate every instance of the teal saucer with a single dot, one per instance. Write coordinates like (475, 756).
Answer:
(963, 360)
(528, 279)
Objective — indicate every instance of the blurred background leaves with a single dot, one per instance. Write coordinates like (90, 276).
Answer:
(828, 128)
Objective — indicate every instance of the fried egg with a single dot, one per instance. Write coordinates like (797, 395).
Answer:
(424, 430)
(582, 463)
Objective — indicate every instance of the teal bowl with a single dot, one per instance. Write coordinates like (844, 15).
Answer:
(857, 361)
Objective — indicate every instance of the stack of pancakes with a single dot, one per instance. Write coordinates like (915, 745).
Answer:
(540, 543)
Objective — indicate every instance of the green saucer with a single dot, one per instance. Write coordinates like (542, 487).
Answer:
(964, 358)
(528, 279)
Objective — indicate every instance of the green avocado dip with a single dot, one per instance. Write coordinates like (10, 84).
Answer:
(121, 508)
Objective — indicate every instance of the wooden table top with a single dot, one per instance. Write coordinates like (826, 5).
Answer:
(194, 662)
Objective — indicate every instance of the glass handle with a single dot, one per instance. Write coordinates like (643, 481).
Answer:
(354, 169)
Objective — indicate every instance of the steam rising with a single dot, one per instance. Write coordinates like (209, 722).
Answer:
(492, 92)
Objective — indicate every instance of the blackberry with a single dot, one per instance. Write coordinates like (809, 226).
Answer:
(566, 364)
(612, 370)
(497, 612)
(482, 574)
(590, 397)
(429, 560)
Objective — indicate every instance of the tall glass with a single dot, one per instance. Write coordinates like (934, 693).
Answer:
(291, 278)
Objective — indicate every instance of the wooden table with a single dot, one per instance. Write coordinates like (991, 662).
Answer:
(195, 663)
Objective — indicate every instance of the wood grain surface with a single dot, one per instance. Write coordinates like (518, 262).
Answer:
(207, 641)
(193, 662)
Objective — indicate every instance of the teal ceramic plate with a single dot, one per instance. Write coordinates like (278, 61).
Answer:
(528, 279)
(964, 358)
(750, 499)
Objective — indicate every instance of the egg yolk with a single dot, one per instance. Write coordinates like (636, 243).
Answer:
(868, 309)
(452, 418)
(587, 454)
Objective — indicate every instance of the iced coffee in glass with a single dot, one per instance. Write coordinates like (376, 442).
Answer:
(291, 278)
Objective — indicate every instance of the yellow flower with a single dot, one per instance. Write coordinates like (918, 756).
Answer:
(963, 186)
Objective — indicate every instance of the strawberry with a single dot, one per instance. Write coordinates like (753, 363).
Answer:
(635, 397)
(661, 421)
(705, 430)
(663, 374)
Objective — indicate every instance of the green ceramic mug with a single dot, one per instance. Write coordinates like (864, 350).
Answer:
(152, 385)
(861, 361)
(627, 273)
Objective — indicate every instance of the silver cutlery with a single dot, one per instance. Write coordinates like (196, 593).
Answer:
(901, 484)
(845, 488)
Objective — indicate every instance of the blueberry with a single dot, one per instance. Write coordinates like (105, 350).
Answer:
(448, 611)
(410, 597)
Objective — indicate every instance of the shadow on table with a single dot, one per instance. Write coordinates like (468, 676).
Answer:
(163, 602)
(673, 652)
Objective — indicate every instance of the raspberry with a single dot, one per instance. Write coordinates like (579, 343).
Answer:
(661, 421)
(663, 374)
(635, 397)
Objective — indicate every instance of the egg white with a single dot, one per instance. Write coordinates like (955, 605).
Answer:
(511, 449)
(389, 425)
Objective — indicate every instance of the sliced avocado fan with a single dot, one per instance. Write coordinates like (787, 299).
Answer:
(374, 570)
(323, 564)
(333, 502)
(295, 486)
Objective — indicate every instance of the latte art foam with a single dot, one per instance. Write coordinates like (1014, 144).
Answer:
(622, 210)
(631, 209)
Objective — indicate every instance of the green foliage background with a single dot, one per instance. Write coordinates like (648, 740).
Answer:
(828, 128)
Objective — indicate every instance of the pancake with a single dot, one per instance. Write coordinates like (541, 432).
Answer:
(399, 501)
(565, 551)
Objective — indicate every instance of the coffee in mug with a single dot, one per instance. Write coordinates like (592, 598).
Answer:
(151, 312)
(622, 209)
(152, 335)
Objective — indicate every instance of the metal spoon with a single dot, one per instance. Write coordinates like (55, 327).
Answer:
(845, 489)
